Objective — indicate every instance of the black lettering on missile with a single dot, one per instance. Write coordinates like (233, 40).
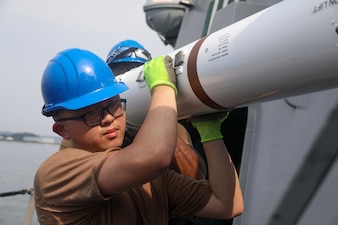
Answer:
(222, 48)
(324, 5)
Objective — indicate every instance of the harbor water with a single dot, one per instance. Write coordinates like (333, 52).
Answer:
(18, 163)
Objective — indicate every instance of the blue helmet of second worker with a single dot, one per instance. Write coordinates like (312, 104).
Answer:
(126, 55)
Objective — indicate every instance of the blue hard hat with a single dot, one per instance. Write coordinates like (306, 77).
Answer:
(127, 51)
(75, 79)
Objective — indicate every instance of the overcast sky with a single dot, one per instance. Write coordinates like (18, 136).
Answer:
(33, 31)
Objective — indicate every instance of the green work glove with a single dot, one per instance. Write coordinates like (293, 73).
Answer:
(209, 126)
(160, 71)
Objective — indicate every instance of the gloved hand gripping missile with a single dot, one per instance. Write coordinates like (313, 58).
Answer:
(160, 71)
(209, 126)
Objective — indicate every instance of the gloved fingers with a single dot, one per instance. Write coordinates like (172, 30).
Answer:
(160, 71)
(168, 61)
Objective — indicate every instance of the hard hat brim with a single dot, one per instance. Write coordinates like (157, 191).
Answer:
(88, 99)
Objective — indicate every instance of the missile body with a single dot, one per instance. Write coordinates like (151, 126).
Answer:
(288, 49)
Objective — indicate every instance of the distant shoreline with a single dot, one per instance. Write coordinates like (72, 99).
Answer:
(34, 142)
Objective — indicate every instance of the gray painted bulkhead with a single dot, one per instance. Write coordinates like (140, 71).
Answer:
(289, 167)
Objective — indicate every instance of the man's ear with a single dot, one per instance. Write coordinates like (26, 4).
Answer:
(59, 128)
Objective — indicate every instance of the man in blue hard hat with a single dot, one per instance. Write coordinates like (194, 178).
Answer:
(97, 182)
(121, 58)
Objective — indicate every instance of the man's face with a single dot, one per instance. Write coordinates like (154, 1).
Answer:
(96, 128)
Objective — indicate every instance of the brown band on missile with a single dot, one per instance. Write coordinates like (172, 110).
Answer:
(195, 82)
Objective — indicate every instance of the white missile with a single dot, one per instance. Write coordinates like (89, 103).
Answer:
(288, 49)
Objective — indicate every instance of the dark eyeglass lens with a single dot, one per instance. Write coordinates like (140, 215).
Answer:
(115, 109)
(95, 117)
